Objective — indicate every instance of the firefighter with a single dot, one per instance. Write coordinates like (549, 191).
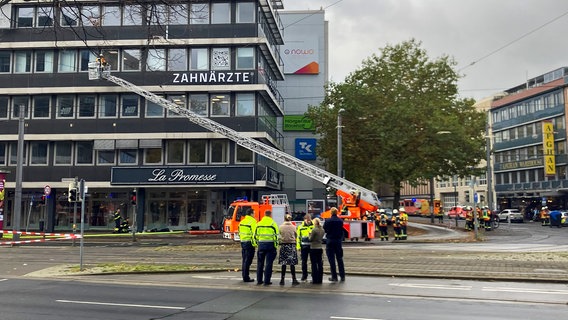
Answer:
(266, 236)
(486, 214)
(396, 224)
(545, 216)
(116, 218)
(382, 221)
(403, 223)
(468, 218)
(303, 243)
(247, 227)
(124, 226)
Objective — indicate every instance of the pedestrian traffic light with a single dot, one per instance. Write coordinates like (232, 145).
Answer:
(133, 197)
(72, 192)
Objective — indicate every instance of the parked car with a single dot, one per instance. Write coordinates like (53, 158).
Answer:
(457, 210)
(513, 215)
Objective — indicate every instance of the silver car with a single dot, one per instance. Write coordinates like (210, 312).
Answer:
(513, 215)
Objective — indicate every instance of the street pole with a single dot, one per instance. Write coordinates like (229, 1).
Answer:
(432, 200)
(475, 217)
(82, 197)
(19, 172)
(339, 148)
(488, 135)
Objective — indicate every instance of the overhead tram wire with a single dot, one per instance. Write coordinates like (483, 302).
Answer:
(513, 41)
(309, 15)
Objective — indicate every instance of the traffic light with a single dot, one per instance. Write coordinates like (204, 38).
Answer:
(72, 194)
(133, 197)
(467, 196)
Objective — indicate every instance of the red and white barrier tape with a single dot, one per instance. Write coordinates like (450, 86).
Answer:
(62, 236)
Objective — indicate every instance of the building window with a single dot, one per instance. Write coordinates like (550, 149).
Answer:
(2, 153)
(41, 107)
(131, 60)
(221, 59)
(84, 152)
(5, 61)
(105, 157)
(44, 61)
(157, 15)
(69, 16)
(63, 153)
(17, 103)
(107, 107)
(111, 56)
(175, 152)
(132, 15)
(197, 151)
(198, 103)
(111, 16)
(199, 59)
(154, 110)
(38, 152)
(156, 60)
(129, 105)
(220, 104)
(128, 156)
(220, 13)
(199, 13)
(91, 16)
(26, 17)
(245, 104)
(246, 12)
(243, 155)
(245, 58)
(14, 153)
(87, 106)
(153, 156)
(85, 57)
(219, 151)
(4, 106)
(44, 17)
(65, 106)
(177, 14)
(67, 61)
(180, 100)
(23, 61)
(177, 60)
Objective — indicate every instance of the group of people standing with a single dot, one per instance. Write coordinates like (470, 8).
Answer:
(399, 222)
(270, 238)
(484, 217)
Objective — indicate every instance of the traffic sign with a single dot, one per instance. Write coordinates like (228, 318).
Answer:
(475, 198)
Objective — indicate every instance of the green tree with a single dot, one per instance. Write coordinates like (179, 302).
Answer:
(402, 121)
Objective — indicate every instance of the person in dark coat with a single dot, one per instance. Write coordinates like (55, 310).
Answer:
(333, 228)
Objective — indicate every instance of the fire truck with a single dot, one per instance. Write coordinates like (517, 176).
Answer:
(366, 200)
(420, 207)
(277, 203)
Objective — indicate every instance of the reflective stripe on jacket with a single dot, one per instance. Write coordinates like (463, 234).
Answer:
(267, 231)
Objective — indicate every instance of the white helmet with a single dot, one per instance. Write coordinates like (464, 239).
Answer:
(394, 211)
(381, 210)
(401, 209)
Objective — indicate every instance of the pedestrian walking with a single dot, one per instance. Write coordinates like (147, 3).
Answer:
(266, 236)
(288, 253)
(303, 243)
(316, 251)
(247, 228)
(334, 250)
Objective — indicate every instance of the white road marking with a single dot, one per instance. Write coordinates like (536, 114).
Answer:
(3, 279)
(218, 277)
(524, 290)
(431, 286)
(121, 304)
(350, 318)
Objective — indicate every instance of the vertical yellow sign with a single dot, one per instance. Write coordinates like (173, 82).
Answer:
(548, 148)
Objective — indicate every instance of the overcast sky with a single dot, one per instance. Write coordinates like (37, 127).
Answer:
(507, 40)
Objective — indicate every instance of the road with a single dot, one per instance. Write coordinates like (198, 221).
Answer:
(387, 299)
(421, 278)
